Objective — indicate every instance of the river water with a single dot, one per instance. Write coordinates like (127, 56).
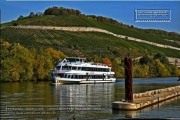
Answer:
(41, 100)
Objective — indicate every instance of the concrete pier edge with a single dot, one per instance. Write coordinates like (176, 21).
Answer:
(148, 98)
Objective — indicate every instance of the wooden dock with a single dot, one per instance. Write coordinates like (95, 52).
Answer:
(148, 98)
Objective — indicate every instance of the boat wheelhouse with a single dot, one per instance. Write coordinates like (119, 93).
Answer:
(77, 70)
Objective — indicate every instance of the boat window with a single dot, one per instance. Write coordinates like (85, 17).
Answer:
(60, 74)
(66, 67)
(81, 76)
(83, 68)
(71, 59)
(91, 69)
(65, 76)
(107, 70)
(79, 68)
(77, 60)
(73, 68)
(99, 76)
(76, 76)
(58, 67)
(95, 69)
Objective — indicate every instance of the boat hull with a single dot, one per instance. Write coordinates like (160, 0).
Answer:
(58, 80)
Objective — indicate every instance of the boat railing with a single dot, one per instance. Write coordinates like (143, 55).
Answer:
(74, 62)
(100, 64)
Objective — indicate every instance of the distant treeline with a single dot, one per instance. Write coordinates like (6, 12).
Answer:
(66, 11)
(147, 66)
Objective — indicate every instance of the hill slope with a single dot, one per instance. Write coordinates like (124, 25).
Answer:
(86, 43)
(98, 44)
(71, 20)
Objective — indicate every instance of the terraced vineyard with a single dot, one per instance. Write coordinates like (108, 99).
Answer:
(89, 43)
(72, 20)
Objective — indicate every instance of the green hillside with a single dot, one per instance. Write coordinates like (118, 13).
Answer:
(72, 20)
(87, 43)
(29, 54)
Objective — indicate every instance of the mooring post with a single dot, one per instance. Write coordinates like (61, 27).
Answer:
(128, 79)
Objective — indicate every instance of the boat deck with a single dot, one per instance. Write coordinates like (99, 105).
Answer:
(96, 81)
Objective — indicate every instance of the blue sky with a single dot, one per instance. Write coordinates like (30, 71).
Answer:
(122, 11)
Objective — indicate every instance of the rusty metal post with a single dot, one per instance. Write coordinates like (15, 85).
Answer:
(128, 80)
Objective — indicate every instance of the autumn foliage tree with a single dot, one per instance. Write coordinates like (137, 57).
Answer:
(107, 61)
(21, 64)
(16, 63)
(161, 69)
(54, 54)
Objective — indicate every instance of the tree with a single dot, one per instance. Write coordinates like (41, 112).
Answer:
(19, 63)
(145, 60)
(14, 23)
(162, 58)
(20, 17)
(39, 14)
(107, 61)
(56, 55)
(174, 71)
(141, 71)
(16, 63)
(119, 70)
(95, 58)
(31, 14)
(161, 69)
(4, 48)
(42, 65)
(78, 12)
(55, 11)
(132, 27)
(52, 11)
(47, 11)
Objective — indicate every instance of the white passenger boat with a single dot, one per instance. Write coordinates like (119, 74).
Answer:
(77, 70)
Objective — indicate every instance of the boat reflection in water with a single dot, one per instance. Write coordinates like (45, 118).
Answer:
(87, 100)
(84, 97)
